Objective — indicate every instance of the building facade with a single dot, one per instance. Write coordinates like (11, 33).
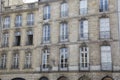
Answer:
(60, 40)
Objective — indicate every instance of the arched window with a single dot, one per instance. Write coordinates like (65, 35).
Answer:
(84, 77)
(107, 78)
(62, 78)
(64, 9)
(43, 78)
(46, 12)
(18, 79)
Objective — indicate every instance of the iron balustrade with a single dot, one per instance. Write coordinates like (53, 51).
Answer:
(106, 66)
(63, 38)
(15, 67)
(84, 36)
(104, 34)
(63, 67)
(64, 13)
(46, 40)
(30, 23)
(18, 24)
(46, 16)
(27, 66)
(84, 66)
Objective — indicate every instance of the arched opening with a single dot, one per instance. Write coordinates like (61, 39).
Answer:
(62, 78)
(107, 78)
(18, 79)
(43, 78)
(84, 78)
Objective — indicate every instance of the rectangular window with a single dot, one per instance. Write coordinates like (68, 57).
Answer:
(17, 39)
(103, 5)
(18, 21)
(5, 40)
(83, 7)
(6, 22)
(30, 38)
(15, 61)
(28, 60)
(46, 33)
(83, 30)
(104, 28)
(30, 19)
(45, 59)
(3, 61)
(84, 58)
(46, 12)
(63, 32)
(64, 10)
(106, 61)
(63, 59)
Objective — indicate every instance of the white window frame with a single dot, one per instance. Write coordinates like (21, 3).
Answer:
(6, 22)
(104, 5)
(84, 58)
(46, 33)
(16, 60)
(28, 60)
(64, 9)
(30, 19)
(5, 39)
(47, 12)
(106, 58)
(83, 7)
(63, 32)
(3, 61)
(18, 21)
(63, 56)
(104, 28)
(83, 33)
(45, 60)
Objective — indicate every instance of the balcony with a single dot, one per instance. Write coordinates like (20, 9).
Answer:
(45, 67)
(30, 23)
(2, 67)
(64, 14)
(105, 35)
(46, 16)
(83, 36)
(63, 67)
(106, 66)
(63, 38)
(17, 25)
(46, 40)
(84, 66)
(6, 26)
(83, 11)
(5, 45)
(27, 66)
(15, 67)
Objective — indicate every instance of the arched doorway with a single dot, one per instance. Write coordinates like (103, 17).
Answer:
(62, 78)
(107, 78)
(84, 77)
(18, 79)
(43, 78)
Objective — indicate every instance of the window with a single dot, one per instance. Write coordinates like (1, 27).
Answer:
(83, 7)
(63, 32)
(6, 22)
(103, 5)
(83, 30)
(43, 78)
(5, 40)
(29, 38)
(17, 39)
(45, 59)
(15, 61)
(84, 58)
(28, 61)
(106, 61)
(30, 19)
(46, 33)
(63, 59)
(18, 21)
(3, 61)
(46, 12)
(104, 28)
(64, 9)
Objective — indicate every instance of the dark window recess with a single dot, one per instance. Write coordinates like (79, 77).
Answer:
(17, 40)
(30, 40)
